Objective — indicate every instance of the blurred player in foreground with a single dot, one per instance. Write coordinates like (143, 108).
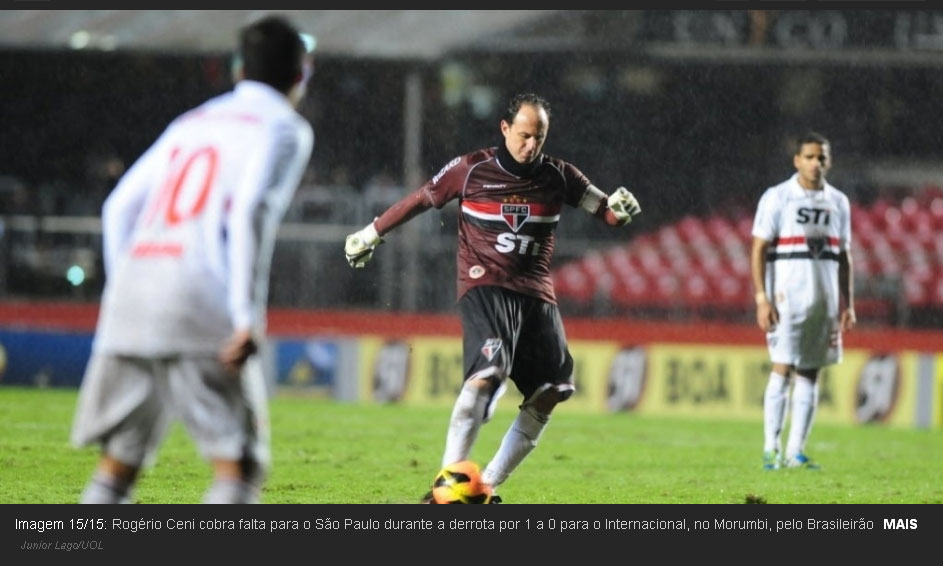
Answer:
(510, 197)
(800, 263)
(188, 237)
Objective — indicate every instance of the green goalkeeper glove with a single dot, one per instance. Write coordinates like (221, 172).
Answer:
(359, 246)
(624, 205)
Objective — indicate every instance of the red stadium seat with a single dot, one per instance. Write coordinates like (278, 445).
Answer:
(862, 227)
(696, 291)
(710, 261)
(908, 207)
(634, 290)
(935, 291)
(920, 228)
(935, 249)
(936, 212)
(719, 227)
(745, 228)
(926, 195)
(653, 262)
(667, 290)
(861, 258)
(571, 282)
(878, 213)
(595, 264)
(731, 291)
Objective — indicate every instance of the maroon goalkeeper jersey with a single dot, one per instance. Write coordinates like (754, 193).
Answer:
(507, 221)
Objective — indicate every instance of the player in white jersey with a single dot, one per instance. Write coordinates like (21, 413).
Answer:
(188, 237)
(800, 265)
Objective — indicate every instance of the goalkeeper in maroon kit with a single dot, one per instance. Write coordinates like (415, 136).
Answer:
(510, 197)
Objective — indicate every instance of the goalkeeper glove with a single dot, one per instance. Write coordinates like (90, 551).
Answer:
(359, 246)
(623, 205)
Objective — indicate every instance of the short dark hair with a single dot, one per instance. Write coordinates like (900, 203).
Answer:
(272, 52)
(810, 137)
(521, 99)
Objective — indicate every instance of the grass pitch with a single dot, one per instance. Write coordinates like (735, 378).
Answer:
(329, 452)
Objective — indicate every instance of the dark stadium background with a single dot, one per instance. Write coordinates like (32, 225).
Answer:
(695, 112)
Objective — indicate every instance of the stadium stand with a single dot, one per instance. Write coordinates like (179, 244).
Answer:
(700, 266)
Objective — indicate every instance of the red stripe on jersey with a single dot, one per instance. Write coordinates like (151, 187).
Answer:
(251, 118)
(151, 249)
(795, 240)
(536, 208)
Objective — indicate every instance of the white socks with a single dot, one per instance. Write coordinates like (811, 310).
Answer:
(232, 491)
(467, 416)
(104, 488)
(805, 400)
(519, 440)
(774, 411)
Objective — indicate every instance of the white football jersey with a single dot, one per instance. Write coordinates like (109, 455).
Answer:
(806, 229)
(189, 230)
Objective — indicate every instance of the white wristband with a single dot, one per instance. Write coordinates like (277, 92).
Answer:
(592, 199)
(370, 236)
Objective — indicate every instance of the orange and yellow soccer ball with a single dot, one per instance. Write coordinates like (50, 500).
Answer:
(460, 483)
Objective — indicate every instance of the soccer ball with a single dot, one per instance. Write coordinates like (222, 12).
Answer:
(460, 483)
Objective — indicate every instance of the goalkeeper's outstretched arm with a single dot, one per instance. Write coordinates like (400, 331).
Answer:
(409, 207)
(359, 246)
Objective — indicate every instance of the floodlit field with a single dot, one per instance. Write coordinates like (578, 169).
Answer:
(328, 452)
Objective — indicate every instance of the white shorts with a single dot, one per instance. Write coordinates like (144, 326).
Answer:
(127, 404)
(805, 344)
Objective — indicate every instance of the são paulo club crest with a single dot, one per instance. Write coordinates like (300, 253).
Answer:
(515, 214)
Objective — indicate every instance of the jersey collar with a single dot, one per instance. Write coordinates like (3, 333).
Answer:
(801, 191)
(260, 90)
(509, 164)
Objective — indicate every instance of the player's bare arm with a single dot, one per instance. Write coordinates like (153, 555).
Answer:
(237, 349)
(846, 285)
(766, 314)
